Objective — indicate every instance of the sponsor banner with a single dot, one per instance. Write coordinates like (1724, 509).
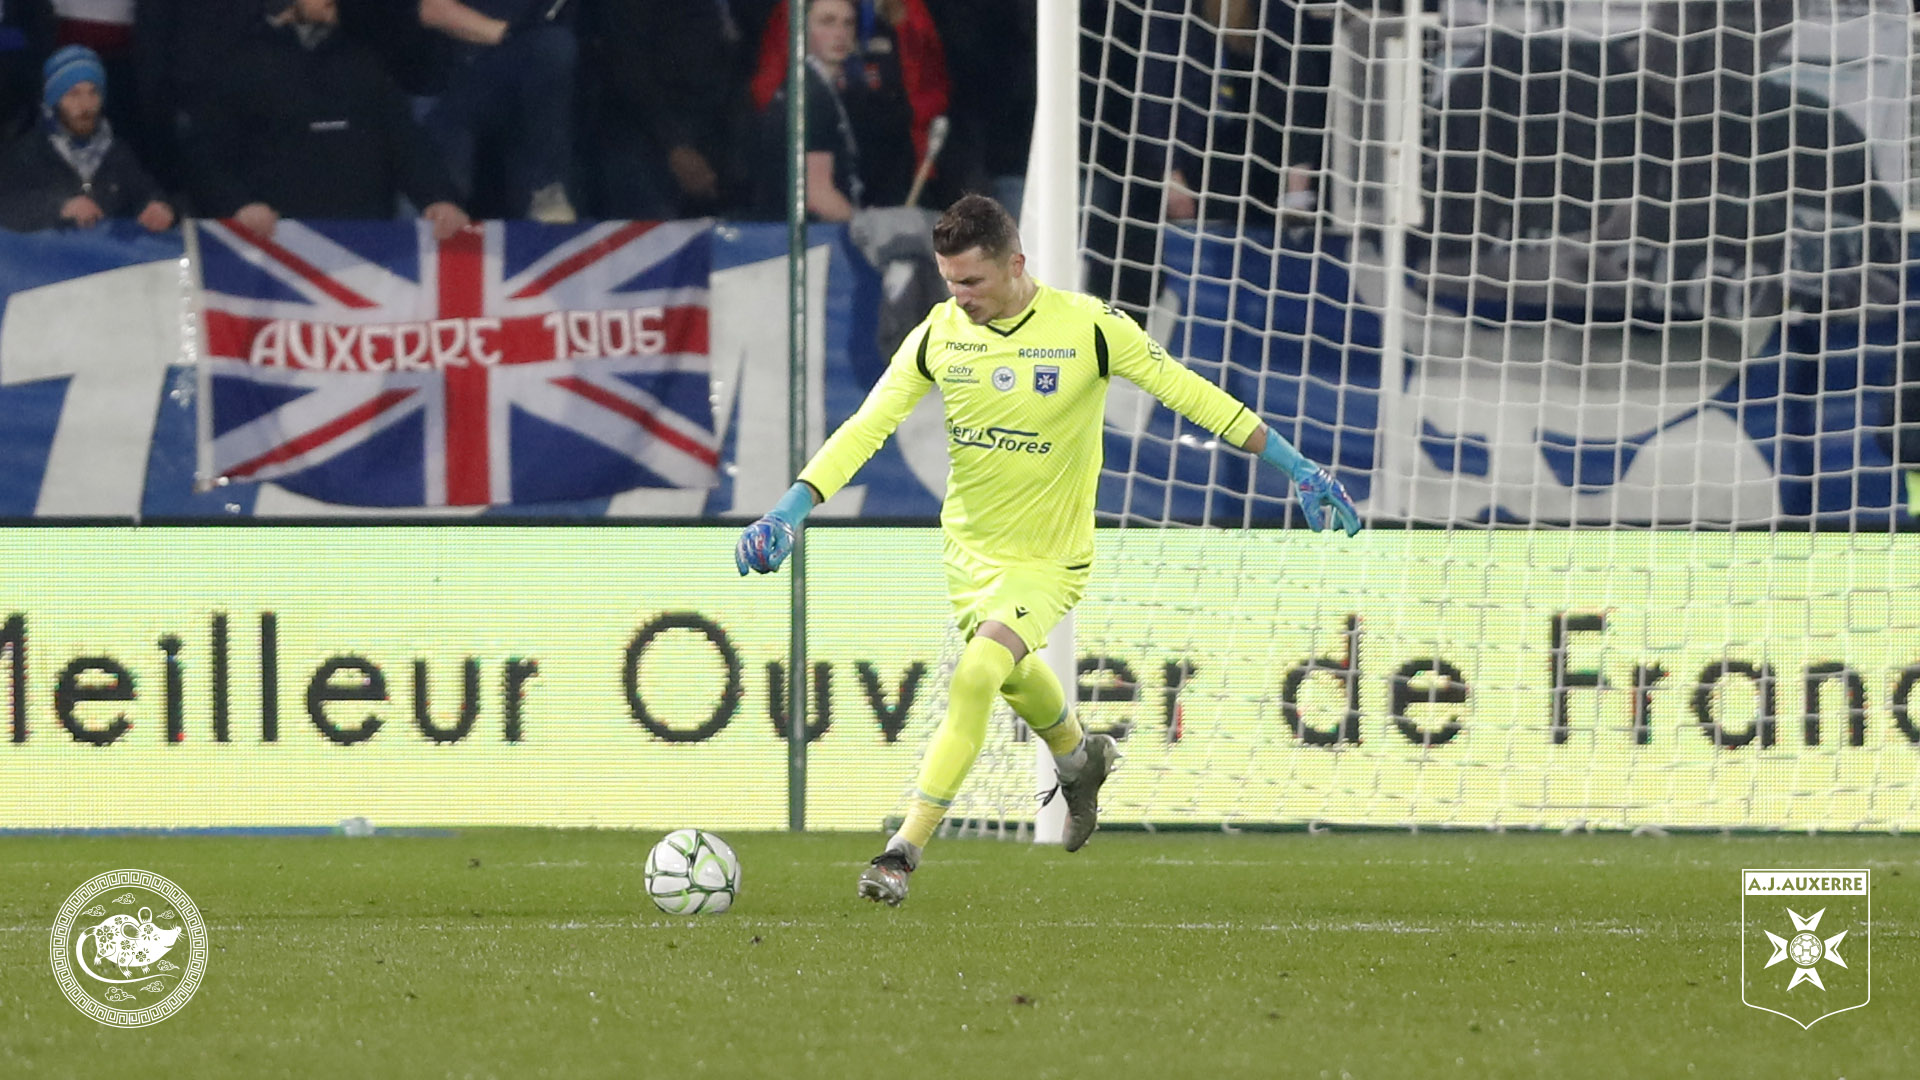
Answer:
(630, 677)
(442, 675)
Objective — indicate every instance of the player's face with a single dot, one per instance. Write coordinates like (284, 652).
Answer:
(985, 288)
(830, 30)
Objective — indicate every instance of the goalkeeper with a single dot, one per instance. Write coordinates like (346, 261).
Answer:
(1022, 370)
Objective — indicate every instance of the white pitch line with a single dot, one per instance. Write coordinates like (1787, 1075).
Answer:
(512, 924)
(507, 924)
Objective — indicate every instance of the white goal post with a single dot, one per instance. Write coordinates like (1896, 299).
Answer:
(1050, 215)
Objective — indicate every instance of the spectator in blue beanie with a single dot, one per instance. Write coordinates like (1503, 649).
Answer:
(72, 172)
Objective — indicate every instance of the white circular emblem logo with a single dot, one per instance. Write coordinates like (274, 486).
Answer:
(129, 948)
(1003, 378)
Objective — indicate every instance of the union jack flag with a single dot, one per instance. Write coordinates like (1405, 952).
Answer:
(369, 364)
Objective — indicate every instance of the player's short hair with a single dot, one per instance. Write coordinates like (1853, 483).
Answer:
(976, 222)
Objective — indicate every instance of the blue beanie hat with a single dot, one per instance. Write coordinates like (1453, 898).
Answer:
(69, 67)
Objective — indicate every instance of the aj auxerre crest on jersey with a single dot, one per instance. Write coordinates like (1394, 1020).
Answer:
(997, 380)
(999, 397)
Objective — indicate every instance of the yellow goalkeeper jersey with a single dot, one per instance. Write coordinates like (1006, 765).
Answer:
(1025, 400)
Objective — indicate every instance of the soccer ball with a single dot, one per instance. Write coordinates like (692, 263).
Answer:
(690, 872)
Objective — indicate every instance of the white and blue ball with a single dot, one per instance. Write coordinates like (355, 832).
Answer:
(691, 872)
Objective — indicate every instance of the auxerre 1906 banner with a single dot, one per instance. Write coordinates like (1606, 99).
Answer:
(628, 677)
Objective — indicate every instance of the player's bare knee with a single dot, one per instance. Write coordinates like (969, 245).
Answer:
(994, 630)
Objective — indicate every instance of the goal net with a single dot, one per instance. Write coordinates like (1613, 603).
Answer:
(1599, 310)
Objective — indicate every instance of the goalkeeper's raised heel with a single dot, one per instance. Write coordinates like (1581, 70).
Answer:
(885, 878)
(1083, 791)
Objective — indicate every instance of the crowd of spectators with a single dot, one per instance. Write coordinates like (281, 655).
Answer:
(553, 110)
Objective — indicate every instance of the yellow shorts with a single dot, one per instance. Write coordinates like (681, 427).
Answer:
(1029, 597)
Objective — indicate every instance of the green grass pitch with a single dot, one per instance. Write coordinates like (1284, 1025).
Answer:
(535, 954)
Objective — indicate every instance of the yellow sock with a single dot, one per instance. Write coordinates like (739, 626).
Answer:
(1035, 693)
(922, 818)
(983, 667)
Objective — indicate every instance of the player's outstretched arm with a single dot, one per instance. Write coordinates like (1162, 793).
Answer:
(1322, 497)
(766, 543)
(1142, 360)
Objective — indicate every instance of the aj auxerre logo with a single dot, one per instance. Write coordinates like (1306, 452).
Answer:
(998, 438)
(1827, 956)
(129, 948)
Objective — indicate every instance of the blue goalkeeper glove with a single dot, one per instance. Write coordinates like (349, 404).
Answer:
(766, 543)
(1323, 498)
